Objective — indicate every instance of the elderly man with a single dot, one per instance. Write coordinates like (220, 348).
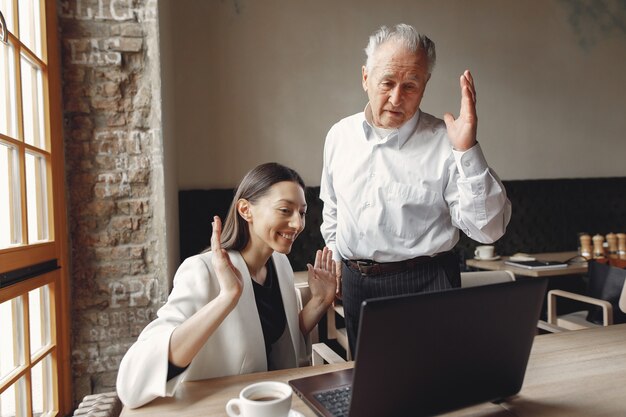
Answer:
(398, 184)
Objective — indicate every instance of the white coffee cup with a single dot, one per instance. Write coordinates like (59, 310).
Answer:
(262, 399)
(484, 252)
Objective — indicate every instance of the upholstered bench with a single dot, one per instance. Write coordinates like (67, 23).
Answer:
(547, 217)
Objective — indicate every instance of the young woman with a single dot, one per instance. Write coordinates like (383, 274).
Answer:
(233, 309)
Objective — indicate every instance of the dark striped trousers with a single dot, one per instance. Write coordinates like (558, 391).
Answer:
(440, 273)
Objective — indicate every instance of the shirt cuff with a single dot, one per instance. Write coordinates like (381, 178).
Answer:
(470, 162)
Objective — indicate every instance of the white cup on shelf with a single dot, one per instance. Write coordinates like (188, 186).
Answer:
(484, 252)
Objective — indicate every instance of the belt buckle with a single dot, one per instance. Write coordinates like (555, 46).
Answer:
(365, 266)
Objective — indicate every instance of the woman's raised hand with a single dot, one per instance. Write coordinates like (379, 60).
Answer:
(229, 277)
(323, 276)
(191, 335)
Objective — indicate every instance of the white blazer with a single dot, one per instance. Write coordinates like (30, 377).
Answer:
(236, 347)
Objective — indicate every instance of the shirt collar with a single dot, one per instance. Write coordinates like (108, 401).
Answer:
(403, 133)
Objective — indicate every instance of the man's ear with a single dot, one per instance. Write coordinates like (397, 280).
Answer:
(364, 77)
(243, 208)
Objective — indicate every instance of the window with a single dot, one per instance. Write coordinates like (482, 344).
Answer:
(28, 360)
(33, 249)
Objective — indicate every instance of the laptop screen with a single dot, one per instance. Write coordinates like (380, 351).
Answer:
(430, 353)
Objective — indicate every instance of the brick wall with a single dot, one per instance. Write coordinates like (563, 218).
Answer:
(114, 167)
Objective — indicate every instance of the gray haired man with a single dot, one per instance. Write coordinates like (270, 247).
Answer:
(398, 183)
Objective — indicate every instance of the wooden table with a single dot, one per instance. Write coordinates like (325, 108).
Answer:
(573, 374)
(209, 397)
(498, 265)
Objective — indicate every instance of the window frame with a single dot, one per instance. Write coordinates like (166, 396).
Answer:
(25, 255)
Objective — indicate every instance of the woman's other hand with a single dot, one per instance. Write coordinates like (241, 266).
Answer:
(323, 277)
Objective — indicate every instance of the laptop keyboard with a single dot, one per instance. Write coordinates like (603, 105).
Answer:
(337, 400)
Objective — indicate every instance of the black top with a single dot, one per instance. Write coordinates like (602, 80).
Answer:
(269, 303)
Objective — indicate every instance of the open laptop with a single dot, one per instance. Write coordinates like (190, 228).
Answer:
(425, 354)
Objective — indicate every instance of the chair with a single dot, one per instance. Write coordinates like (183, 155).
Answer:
(320, 352)
(606, 291)
(99, 405)
(475, 279)
(333, 332)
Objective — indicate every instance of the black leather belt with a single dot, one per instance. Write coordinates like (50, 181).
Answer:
(367, 267)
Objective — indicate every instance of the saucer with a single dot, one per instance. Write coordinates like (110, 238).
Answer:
(493, 258)
(294, 413)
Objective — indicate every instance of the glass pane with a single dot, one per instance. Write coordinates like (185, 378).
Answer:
(7, 91)
(10, 225)
(6, 6)
(32, 103)
(39, 318)
(13, 400)
(42, 386)
(7, 341)
(36, 198)
(30, 25)
(7, 402)
(5, 198)
(19, 354)
(34, 317)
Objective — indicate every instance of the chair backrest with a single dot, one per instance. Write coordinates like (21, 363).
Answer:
(474, 279)
(303, 294)
(606, 282)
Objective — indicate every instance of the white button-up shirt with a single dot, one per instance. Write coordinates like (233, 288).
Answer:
(407, 194)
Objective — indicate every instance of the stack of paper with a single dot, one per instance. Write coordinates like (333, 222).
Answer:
(536, 264)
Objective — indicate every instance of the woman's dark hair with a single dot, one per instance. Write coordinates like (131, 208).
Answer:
(255, 184)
